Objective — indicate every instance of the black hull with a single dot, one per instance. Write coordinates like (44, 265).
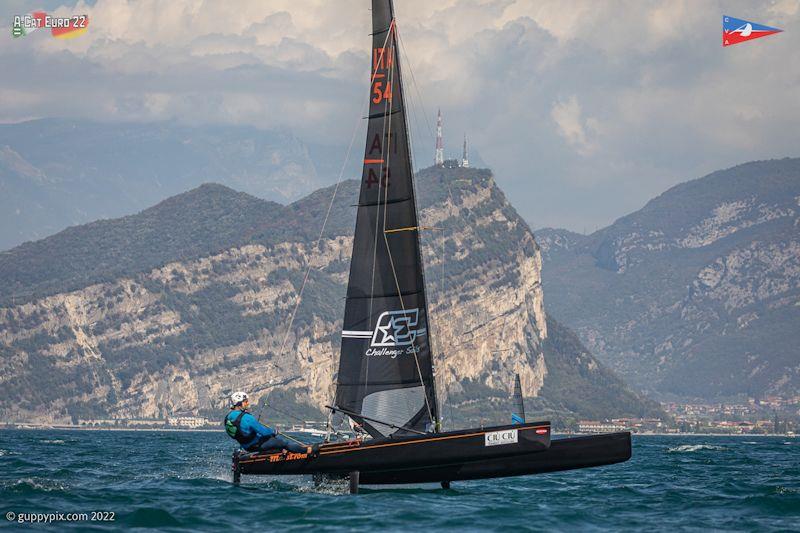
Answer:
(563, 454)
(425, 451)
(445, 457)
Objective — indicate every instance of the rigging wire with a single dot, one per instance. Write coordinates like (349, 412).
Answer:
(385, 235)
(374, 75)
(414, 83)
(365, 107)
(324, 224)
(385, 166)
(290, 416)
(483, 299)
(410, 140)
(440, 329)
(316, 245)
(293, 417)
(409, 104)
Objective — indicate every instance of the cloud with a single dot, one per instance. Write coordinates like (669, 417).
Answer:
(589, 107)
(571, 126)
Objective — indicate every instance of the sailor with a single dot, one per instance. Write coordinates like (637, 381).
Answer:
(253, 435)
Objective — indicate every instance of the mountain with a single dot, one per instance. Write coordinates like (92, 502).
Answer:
(169, 309)
(698, 293)
(56, 173)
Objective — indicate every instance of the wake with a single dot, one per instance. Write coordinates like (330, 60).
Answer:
(690, 448)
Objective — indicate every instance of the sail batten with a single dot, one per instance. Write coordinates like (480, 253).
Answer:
(380, 115)
(385, 367)
(388, 295)
(395, 201)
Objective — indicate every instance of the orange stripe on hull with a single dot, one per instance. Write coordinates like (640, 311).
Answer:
(433, 439)
(372, 161)
(347, 447)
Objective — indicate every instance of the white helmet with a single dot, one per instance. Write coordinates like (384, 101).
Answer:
(237, 398)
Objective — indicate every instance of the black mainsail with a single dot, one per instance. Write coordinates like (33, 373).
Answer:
(385, 367)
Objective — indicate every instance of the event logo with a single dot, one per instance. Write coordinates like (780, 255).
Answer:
(396, 328)
(60, 27)
(736, 31)
(393, 336)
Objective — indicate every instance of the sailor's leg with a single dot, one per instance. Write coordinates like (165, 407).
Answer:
(279, 443)
(292, 446)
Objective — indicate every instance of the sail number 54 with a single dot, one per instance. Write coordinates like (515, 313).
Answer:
(380, 93)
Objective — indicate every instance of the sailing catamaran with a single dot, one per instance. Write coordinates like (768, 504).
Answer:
(385, 383)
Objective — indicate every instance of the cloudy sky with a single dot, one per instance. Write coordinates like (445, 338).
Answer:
(584, 109)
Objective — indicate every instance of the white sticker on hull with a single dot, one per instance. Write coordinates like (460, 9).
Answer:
(498, 438)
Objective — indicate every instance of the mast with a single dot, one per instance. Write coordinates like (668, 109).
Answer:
(385, 366)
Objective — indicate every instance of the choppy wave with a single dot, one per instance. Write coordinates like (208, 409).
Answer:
(329, 487)
(53, 441)
(689, 448)
(181, 482)
(33, 485)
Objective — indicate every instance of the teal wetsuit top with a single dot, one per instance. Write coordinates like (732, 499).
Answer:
(252, 430)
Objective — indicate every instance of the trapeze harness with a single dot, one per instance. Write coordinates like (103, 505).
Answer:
(234, 430)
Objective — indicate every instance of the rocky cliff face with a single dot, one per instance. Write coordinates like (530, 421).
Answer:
(698, 293)
(107, 318)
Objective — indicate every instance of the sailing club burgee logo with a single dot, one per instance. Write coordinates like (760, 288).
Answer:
(735, 31)
(394, 328)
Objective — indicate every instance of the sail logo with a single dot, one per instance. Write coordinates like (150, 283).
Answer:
(396, 328)
(735, 31)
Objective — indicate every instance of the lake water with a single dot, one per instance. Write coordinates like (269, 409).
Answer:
(181, 481)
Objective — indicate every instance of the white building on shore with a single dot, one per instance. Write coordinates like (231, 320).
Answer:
(191, 422)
